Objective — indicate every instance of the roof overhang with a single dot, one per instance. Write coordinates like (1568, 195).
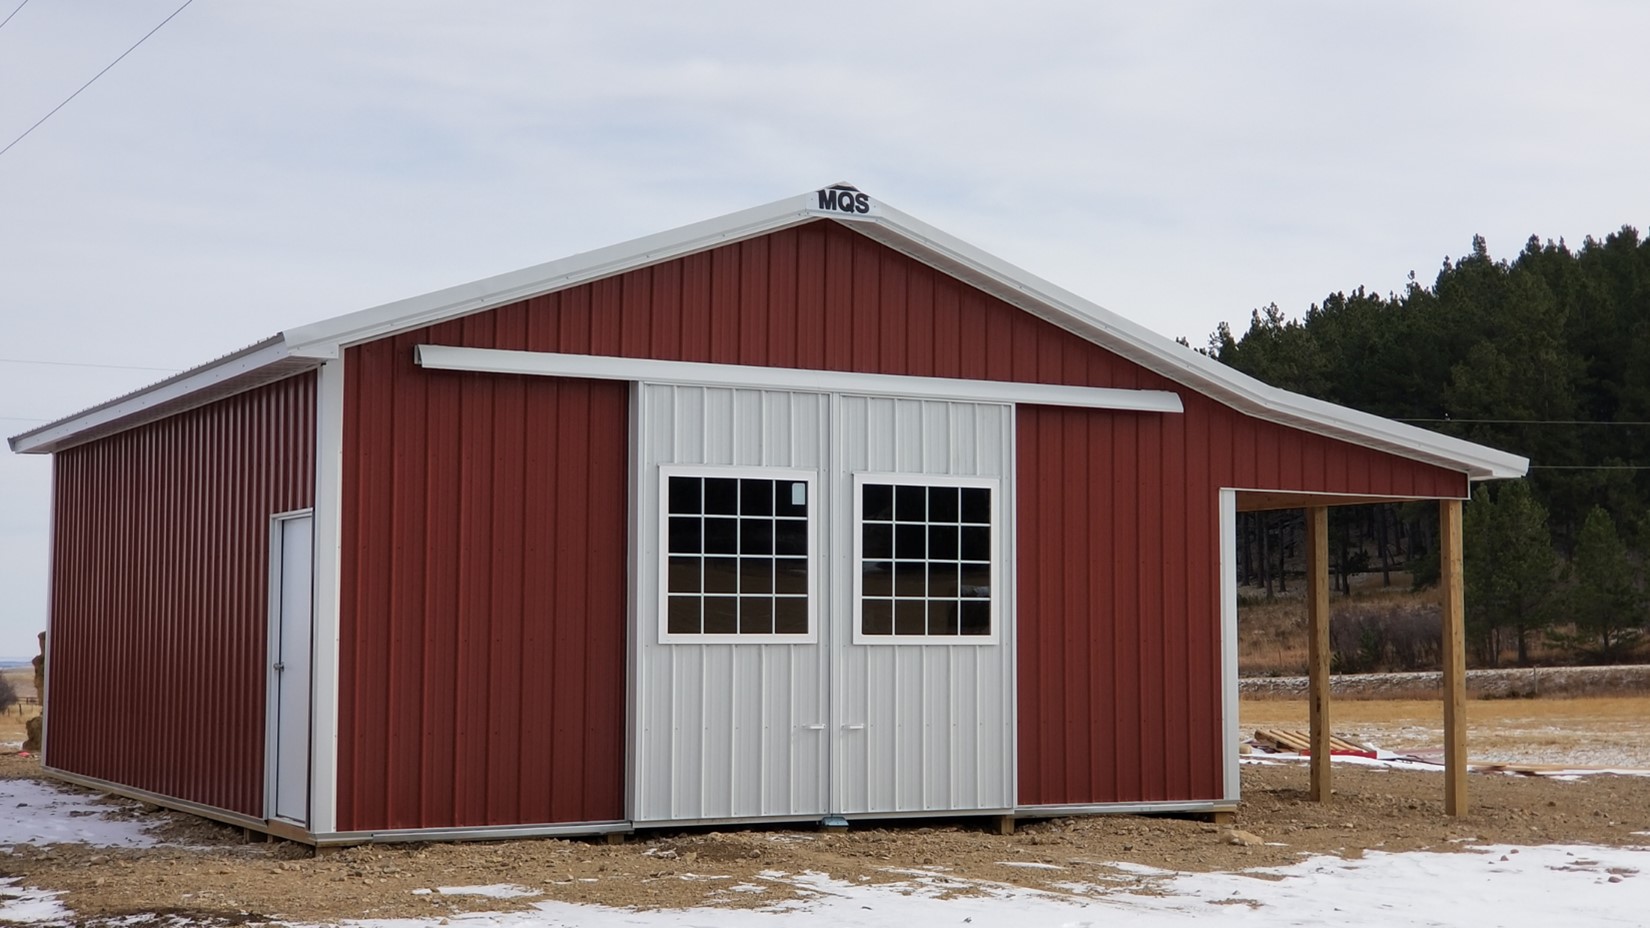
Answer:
(308, 346)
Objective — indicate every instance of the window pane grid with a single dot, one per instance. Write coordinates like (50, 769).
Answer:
(925, 560)
(737, 556)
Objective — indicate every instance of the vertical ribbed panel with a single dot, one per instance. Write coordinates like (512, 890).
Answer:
(483, 610)
(160, 599)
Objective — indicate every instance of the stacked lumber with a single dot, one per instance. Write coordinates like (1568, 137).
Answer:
(1300, 742)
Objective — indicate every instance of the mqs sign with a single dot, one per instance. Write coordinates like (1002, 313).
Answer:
(844, 199)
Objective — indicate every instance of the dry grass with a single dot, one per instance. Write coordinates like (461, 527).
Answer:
(1272, 632)
(11, 724)
(11, 720)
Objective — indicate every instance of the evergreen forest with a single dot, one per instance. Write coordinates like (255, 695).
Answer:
(1546, 355)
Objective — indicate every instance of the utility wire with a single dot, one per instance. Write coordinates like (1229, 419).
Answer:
(112, 367)
(1528, 421)
(1589, 467)
(13, 13)
(99, 74)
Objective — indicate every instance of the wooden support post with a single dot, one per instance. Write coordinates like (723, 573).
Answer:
(1317, 615)
(1455, 659)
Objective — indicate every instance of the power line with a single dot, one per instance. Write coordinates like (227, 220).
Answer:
(112, 367)
(1589, 467)
(1529, 421)
(99, 74)
(23, 419)
(13, 13)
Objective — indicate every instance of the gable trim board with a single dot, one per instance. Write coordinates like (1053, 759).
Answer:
(305, 346)
(470, 527)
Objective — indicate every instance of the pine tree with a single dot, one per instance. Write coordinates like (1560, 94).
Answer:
(1604, 599)
(1510, 568)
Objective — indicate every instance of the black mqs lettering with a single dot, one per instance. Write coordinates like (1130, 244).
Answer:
(844, 200)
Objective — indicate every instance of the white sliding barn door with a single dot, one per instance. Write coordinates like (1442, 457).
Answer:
(731, 715)
(922, 665)
(778, 666)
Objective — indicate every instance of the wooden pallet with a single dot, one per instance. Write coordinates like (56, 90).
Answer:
(1300, 742)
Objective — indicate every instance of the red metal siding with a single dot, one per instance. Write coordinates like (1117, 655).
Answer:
(160, 600)
(1118, 611)
(482, 650)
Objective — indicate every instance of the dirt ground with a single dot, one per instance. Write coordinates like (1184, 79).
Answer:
(211, 875)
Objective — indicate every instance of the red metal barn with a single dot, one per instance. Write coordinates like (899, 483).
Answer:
(809, 510)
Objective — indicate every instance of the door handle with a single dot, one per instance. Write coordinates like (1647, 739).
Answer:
(857, 726)
(815, 727)
(280, 665)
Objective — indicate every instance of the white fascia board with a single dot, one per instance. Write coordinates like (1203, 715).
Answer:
(601, 367)
(368, 324)
(48, 438)
(1206, 375)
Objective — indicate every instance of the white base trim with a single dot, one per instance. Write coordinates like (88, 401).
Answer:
(549, 364)
(1125, 808)
(479, 833)
(160, 799)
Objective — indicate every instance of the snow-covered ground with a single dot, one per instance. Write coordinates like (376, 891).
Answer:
(32, 812)
(1485, 887)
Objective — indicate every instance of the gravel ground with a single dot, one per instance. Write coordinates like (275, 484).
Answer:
(208, 875)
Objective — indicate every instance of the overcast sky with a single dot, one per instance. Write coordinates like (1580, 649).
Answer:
(255, 166)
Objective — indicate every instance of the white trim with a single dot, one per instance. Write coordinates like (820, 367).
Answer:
(1009, 582)
(1362, 497)
(549, 364)
(1229, 645)
(215, 813)
(816, 564)
(324, 628)
(856, 558)
(478, 296)
(882, 223)
(635, 683)
(1136, 343)
(1122, 808)
(478, 833)
(242, 370)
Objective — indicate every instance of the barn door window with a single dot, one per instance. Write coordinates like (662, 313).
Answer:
(737, 551)
(928, 554)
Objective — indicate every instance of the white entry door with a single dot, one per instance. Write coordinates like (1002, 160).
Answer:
(822, 606)
(292, 545)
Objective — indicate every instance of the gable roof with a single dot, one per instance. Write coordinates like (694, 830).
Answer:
(308, 346)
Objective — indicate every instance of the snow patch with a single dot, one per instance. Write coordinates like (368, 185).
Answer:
(493, 891)
(25, 905)
(32, 812)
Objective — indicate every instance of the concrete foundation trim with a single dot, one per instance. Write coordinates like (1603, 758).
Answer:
(1125, 808)
(168, 802)
(479, 833)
